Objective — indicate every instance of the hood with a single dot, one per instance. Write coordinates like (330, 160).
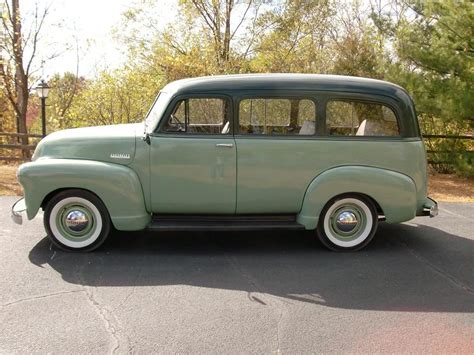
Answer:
(104, 143)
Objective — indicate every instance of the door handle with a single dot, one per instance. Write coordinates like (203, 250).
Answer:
(224, 145)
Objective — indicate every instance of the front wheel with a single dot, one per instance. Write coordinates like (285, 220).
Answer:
(76, 220)
(347, 223)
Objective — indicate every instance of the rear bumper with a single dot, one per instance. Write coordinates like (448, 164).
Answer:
(430, 208)
(18, 208)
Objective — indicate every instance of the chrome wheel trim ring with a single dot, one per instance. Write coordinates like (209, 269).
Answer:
(67, 240)
(338, 239)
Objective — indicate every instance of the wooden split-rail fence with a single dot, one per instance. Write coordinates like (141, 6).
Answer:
(15, 150)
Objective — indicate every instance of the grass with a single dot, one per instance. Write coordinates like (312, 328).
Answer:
(441, 187)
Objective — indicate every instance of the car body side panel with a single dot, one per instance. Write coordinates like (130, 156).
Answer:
(273, 173)
(395, 192)
(116, 185)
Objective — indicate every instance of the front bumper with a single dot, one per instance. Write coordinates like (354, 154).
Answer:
(17, 211)
(430, 208)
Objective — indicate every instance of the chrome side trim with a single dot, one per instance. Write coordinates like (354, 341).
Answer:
(224, 145)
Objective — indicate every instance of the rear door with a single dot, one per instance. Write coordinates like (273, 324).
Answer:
(275, 152)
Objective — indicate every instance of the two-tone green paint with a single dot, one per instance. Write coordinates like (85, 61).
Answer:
(236, 174)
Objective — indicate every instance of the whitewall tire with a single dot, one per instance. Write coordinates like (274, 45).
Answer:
(76, 220)
(347, 223)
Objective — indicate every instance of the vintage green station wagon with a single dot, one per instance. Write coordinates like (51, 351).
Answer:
(333, 154)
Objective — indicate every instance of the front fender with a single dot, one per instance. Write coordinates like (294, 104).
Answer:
(117, 186)
(394, 192)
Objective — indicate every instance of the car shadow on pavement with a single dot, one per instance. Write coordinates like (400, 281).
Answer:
(408, 267)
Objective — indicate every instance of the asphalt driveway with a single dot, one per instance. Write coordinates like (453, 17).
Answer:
(411, 290)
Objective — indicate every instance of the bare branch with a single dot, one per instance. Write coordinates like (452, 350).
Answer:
(242, 19)
(35, 38)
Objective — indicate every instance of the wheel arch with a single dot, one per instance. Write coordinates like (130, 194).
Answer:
(53, 193)
(377, 206)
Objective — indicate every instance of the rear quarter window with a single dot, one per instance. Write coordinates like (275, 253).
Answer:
(355, 118)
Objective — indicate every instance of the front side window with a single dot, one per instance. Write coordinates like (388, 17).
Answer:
(277, 116)
(353, 118)
(199, 116)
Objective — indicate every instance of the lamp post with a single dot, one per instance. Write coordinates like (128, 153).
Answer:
(42, 90)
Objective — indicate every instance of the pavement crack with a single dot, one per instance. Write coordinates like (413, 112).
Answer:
(112, 325)
(38, 297)
(107, 317)
(274, 303)
(278, 351)
(452, 279)
(132, 291)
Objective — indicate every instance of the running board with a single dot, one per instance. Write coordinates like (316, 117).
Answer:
(223, 223)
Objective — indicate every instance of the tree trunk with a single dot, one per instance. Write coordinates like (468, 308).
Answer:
(226, 44)
(21, 79)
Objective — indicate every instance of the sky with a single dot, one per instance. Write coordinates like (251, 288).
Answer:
(91, 22)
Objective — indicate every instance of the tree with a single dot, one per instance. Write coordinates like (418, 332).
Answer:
(15, 67)
(438, 51)
(119, 96)
(434, 60)
(293, 37)
(6, 122)
(64, 90)
(216, 20)
(205, 38)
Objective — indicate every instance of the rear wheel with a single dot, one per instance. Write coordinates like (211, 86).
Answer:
(76, 220)
(347, 223)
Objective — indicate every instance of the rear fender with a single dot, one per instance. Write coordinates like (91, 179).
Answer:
(394, 192)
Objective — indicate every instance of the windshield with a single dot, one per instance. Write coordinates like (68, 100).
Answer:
(157, 110)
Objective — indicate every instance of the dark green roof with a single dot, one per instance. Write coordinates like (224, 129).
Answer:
(245, 82)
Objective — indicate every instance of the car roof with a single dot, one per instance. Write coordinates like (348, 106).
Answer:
(285, 82)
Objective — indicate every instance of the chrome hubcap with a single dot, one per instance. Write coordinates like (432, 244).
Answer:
(76, 221)
(346, 221)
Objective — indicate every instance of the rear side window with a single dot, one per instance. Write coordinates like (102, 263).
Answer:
(277, 116)
(353, 118)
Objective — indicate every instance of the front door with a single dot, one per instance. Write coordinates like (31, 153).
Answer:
(193, 159)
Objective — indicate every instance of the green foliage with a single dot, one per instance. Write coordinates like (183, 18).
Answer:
(435, 51)
(65, 88)
(115, 97)
(437, 48)
(294, 38)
